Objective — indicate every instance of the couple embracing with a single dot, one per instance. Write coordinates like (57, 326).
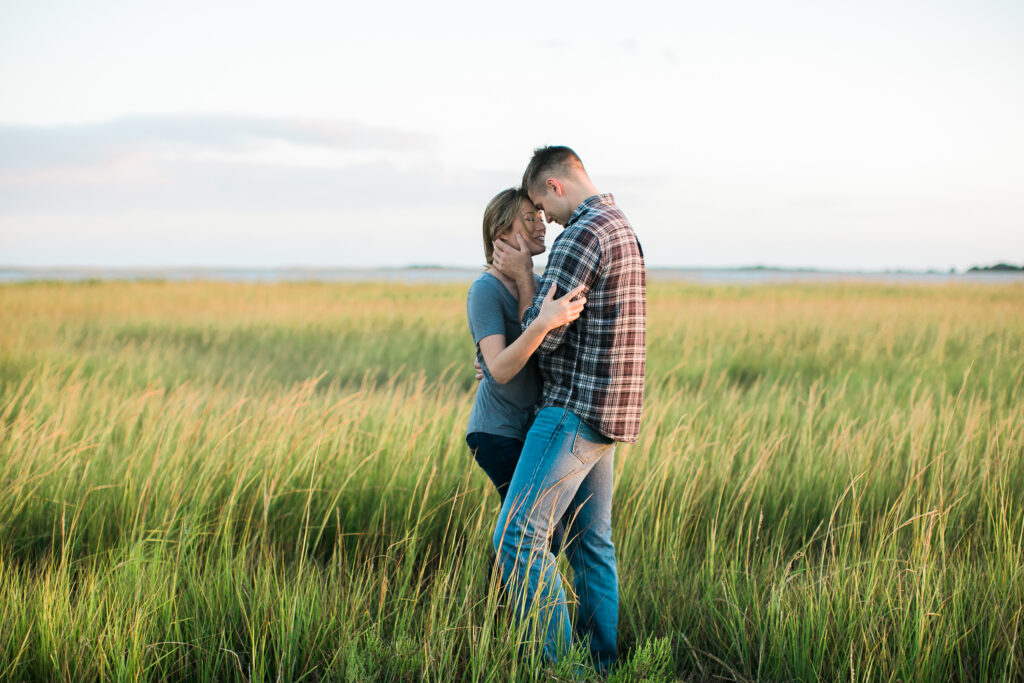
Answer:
(563, 364)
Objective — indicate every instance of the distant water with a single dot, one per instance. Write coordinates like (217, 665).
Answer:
(456, 275)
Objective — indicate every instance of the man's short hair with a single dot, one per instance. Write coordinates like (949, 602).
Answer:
(547, 162)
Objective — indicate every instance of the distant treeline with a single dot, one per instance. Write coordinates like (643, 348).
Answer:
(999, 267)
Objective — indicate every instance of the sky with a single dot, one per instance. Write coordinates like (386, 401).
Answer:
(837, 135)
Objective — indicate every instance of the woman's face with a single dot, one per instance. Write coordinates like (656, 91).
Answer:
(529, 224)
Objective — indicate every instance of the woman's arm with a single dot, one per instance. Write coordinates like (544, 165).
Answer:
(504, 362)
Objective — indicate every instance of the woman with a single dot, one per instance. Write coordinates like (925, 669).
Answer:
(505, 397)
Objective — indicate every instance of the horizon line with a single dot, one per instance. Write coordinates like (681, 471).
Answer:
(451, 267)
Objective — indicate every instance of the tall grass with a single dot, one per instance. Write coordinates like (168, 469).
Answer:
(269, 482)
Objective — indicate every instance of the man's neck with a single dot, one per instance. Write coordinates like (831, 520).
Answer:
(579, 192)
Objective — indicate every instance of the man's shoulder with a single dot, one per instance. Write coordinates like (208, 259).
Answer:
(609, 213)
(606, 227)
(602, 215)
(613, 235)
(599, 225)
(577, 236)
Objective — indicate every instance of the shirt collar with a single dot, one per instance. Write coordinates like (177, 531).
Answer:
(587, 204)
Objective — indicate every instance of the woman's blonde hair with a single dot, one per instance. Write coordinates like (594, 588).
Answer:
(499, 215)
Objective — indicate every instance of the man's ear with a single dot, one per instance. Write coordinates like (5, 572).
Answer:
(553, 185)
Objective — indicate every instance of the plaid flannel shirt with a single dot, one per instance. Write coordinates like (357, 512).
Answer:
(595, 365)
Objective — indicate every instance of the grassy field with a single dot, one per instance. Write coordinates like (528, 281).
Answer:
(212, 481)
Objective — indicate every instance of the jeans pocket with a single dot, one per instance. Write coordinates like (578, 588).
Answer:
(585, 450)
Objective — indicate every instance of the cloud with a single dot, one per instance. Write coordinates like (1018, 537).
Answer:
(630, 46)
(223, 162)
(33, 147)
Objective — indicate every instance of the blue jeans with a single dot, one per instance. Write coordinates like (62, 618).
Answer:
(498, 456)
(565, 469)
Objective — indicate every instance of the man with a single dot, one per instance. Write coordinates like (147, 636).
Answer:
(593, 372)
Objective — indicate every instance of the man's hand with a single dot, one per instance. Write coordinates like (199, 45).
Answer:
(513, 261)
(479, 370)
(557, 312)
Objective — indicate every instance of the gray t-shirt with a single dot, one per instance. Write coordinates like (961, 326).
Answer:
(502, 409)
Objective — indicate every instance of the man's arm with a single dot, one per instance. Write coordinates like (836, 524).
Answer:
(575, 260)
(516, 263)
(505, 362)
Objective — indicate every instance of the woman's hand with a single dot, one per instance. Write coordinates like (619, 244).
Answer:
(557, 312)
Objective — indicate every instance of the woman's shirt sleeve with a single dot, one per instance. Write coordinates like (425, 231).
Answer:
(483, 307)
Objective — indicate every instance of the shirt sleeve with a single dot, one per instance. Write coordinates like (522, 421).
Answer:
(483, 307)
(575, 260)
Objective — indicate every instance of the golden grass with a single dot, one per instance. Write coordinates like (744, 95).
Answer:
(210, 481)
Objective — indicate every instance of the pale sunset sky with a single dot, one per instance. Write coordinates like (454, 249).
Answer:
(838, 135)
